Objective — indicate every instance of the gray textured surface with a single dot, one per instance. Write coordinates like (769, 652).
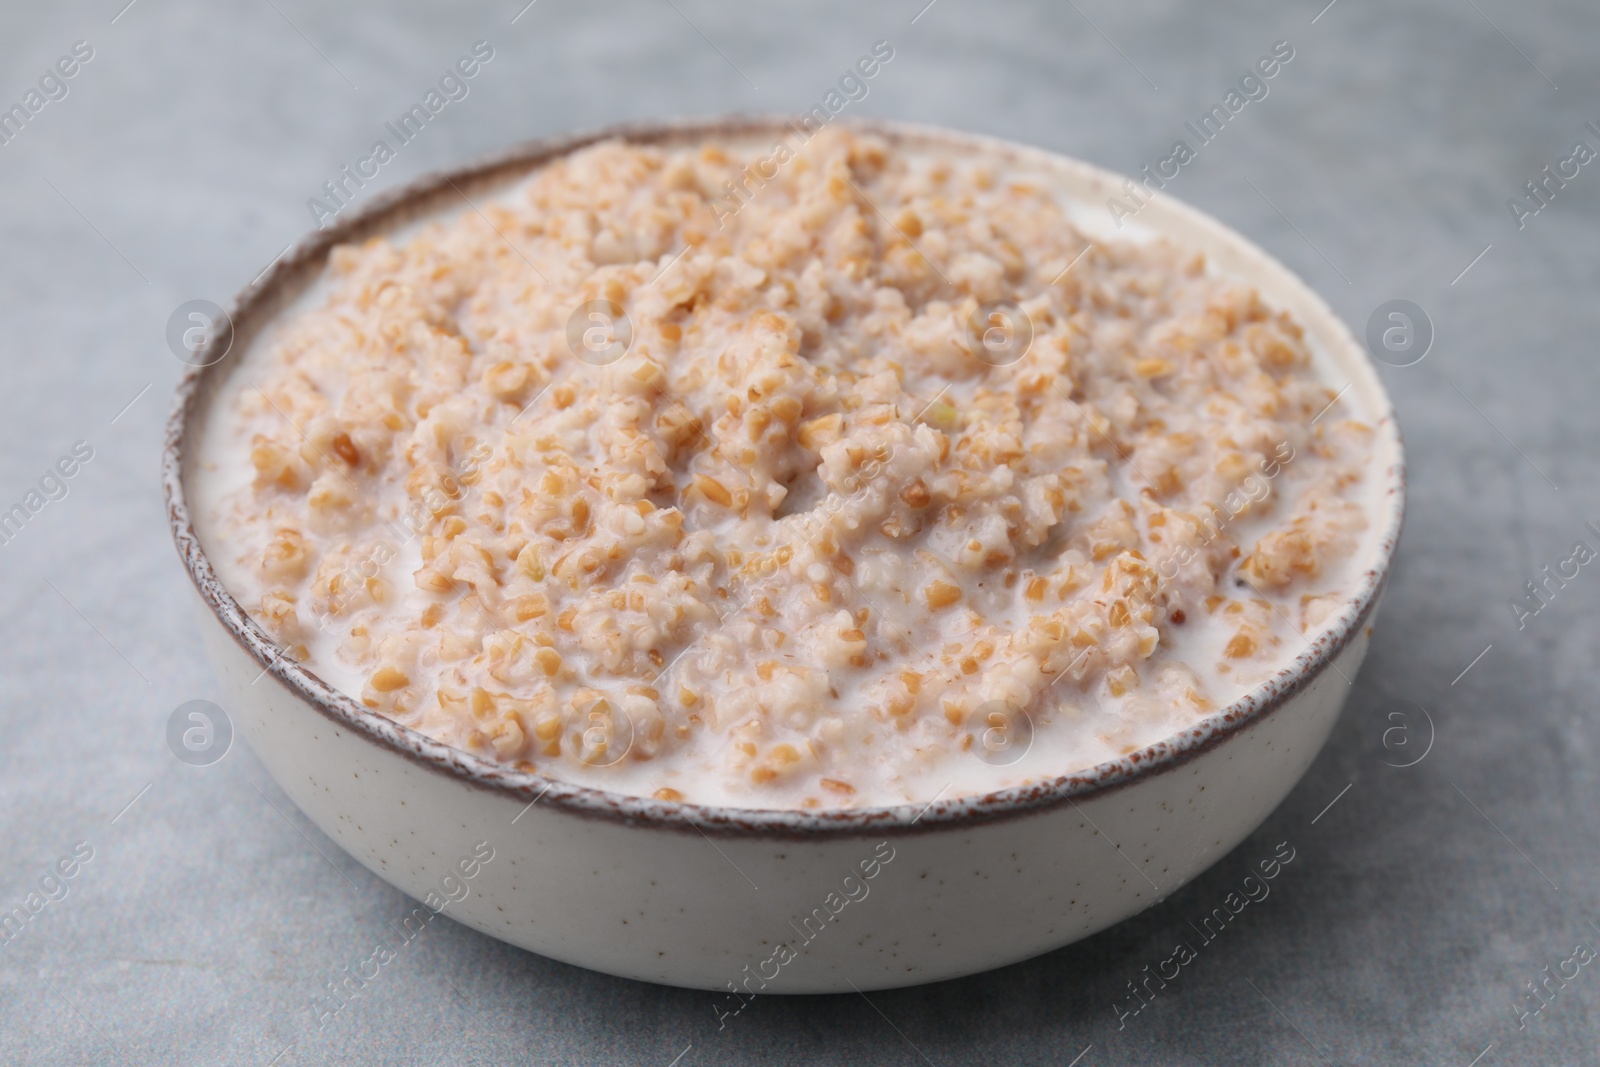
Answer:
(1409, 922)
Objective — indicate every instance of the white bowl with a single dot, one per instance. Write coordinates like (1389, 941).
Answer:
(758, 900)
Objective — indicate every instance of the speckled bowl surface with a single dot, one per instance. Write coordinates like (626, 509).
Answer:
(761, 901)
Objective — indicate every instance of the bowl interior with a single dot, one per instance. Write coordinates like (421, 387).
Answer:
(1085, 189)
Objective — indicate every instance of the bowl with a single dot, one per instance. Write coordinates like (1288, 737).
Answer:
(748, 901)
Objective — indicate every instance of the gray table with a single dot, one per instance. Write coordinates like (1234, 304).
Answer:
(1420, 903)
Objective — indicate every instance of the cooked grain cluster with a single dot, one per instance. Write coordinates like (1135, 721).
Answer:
(812, 522)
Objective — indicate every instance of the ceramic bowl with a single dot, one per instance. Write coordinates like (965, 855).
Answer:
(783, 901)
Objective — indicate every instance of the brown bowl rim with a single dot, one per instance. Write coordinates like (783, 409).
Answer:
(263, 297)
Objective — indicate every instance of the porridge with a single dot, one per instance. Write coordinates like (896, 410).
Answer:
(865, 481)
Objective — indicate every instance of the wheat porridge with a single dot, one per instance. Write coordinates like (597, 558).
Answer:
(863, 481)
